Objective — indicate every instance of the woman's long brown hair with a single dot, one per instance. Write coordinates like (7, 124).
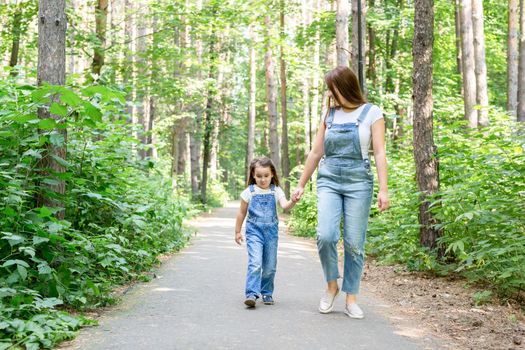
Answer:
(344, 80)
(264, 162)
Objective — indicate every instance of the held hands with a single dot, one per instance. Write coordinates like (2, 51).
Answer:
(296, 195)
(238, 238)
(382, 201)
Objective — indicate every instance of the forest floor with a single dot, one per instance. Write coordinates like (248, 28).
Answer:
(444, 307)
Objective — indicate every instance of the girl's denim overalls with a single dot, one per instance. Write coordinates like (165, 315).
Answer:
(262, 228)
(344, 188)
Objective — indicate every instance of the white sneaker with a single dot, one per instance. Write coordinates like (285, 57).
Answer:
(354, 311)
(326, 304)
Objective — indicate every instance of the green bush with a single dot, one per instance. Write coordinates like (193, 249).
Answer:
(120, 213)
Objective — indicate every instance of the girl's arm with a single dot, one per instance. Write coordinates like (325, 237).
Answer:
(286, 204)
(241, 214)
(311, 162)
(378, 140)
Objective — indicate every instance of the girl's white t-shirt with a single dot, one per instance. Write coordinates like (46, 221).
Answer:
(246, 195)
(365, 129)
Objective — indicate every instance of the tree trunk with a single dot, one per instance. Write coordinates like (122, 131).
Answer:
(469, 77)
(357, 61)
(482, 97)
(512, 58)
(314, 110)
(142, 118)
(101, 15)
(371, 71)
(52, 70)
(252, 108)
(425, 153)
(271, 97)
(341, 32)
(128, 64)
(208, 117)
(306, 89)
(521, 67)
(457, 22)
(15, 32)
(284, 142)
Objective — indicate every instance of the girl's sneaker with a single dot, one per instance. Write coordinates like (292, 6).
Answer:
(250, 301)
(267, 300)
(354, 311)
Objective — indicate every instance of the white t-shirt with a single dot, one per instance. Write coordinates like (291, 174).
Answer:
(246, 195)
(365, 129)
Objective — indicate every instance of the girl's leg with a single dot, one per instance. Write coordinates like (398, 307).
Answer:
(254, 245)
(269, 260)
(329, 209)
(356, 212)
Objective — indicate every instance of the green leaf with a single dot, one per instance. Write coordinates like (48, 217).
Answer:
(58, 109)
(93, 112)
(61, 161)
(56, 139)
(47, 124)
(37, 240)
(70, 98)
(15, 262)
(22, 271)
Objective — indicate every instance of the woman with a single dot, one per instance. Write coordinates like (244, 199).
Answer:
(345, 183)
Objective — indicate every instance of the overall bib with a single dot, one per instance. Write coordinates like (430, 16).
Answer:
(344, 189)
(262, 228)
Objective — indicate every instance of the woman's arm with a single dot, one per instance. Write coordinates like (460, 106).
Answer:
(311, 162)
(241, 214)
(378, 140)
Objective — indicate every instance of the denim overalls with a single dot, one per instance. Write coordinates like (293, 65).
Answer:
(344, 187)
(262, 228)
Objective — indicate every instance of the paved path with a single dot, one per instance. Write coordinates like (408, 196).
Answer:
(197, 303)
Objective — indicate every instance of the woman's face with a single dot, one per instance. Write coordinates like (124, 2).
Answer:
(339, 98)
(263, 176)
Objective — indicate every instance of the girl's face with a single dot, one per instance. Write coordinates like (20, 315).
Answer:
(263, 176)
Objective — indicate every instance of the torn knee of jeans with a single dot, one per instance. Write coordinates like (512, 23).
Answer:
(354, 250)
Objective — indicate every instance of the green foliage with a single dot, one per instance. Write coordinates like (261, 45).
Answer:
(120, 212)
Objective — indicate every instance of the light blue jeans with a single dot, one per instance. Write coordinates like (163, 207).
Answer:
(262, 235)
(261, 242)
(343, 191)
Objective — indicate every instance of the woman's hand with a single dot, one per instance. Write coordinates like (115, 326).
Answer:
(382, 201)
(238, 238)
(296, 195)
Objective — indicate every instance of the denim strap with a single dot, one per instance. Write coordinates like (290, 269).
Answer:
(252, 188)
(330, 119)
(364, 112)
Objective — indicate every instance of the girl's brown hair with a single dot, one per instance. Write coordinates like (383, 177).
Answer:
(263, 162)
(344, 80)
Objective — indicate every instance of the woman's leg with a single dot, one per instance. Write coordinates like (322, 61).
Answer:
(356, 212)
(329, 210)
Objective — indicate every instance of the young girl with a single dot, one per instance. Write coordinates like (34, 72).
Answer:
(259, 201)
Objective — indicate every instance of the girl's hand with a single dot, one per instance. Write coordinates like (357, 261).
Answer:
(238, 238)
(382, 201)
(296, 195)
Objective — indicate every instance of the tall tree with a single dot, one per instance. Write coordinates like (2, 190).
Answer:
(467, 50)
(425, 156)
(341, 32)
(371, 68)
(284, 120)
(521, 67)
(306, 84)
(101, 15)
(482, 97)
(512, 58)
(252, 101)
(15, 32)
(271, 95)
(358, 40)
(51, 69)
(140, 60)
(128, 64)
